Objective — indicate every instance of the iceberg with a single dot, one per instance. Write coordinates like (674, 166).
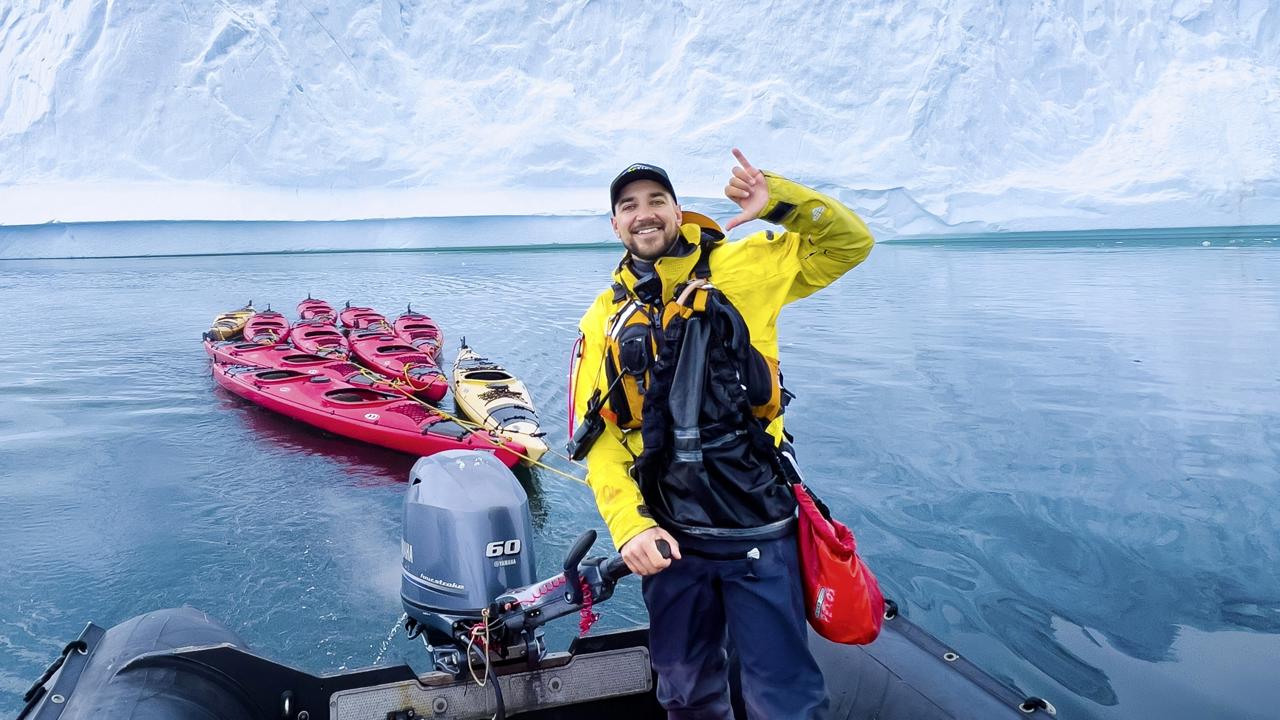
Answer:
(929, 117)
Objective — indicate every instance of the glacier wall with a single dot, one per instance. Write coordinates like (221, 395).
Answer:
(928, 116)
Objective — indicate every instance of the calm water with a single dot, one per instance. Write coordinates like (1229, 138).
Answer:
(1061, 460)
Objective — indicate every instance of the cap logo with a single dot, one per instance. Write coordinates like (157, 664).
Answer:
(639, 171)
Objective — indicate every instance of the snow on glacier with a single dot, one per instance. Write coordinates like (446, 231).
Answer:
(927, 116)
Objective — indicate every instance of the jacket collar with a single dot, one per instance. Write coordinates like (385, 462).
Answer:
(671, 271)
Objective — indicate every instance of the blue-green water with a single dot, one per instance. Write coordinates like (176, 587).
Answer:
(1062, 460)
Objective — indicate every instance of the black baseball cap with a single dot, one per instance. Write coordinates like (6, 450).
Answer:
(638, 171)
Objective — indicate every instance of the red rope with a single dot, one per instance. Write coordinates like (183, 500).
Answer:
(586, 617)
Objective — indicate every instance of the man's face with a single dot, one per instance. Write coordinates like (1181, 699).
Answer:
(646, 219)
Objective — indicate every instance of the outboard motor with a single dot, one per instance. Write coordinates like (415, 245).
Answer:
(466, 539)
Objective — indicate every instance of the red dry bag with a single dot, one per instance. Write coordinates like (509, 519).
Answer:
(842, 598)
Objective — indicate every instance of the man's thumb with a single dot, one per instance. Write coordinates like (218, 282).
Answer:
(745, 217)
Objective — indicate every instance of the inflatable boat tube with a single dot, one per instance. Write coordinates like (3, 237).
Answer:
(180, 664)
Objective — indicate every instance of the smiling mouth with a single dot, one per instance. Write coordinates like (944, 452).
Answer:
(646, 231)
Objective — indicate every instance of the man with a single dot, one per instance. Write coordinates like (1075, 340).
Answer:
(683, 349)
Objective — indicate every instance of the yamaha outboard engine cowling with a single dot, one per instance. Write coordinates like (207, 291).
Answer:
(466, 538)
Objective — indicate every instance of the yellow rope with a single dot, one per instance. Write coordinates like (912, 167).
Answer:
(486, 433)
(409, 380)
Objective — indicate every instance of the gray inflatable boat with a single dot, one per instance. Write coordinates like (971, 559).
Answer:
(465, 546)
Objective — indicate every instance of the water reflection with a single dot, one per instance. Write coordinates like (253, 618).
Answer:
(284, 437)
(1062, 461)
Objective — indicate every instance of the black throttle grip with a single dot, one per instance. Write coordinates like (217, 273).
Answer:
(615, 568)
(664, 548)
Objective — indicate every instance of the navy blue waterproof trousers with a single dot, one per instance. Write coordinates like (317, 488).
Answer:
(760, 603)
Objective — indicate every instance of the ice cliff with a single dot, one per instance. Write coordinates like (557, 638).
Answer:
(926, 115)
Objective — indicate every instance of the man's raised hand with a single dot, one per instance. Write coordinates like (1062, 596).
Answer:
(748, 189)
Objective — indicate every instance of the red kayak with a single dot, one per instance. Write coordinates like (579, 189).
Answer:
(312, 309)
(318, 337)
(421, 332)
(266, 327)
(363, 318)
(359, 413)
(388, 355)
(239, 352)
(287, 357)
(283, 356)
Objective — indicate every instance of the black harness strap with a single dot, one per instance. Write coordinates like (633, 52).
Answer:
(702, 269)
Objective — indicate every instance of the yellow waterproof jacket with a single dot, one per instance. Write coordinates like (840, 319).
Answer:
(758, 274)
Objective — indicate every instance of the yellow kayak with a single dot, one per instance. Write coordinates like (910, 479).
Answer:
(494, 398)
(229, 325)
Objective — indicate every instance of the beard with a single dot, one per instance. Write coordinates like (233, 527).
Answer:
(652, 246)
